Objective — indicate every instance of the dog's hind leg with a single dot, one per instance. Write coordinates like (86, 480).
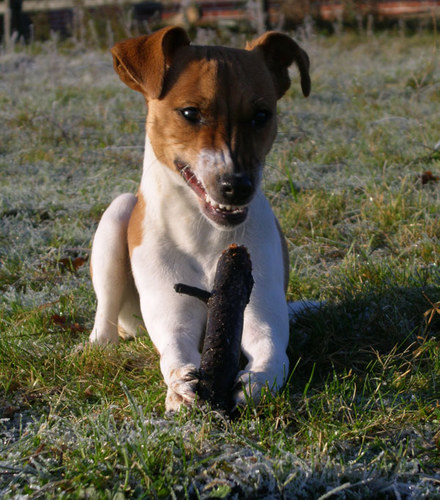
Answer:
(130, 315)
(110, 268)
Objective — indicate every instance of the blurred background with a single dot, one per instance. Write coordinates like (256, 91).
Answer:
(102, 21)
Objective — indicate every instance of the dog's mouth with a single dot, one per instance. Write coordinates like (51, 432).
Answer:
(224, 215)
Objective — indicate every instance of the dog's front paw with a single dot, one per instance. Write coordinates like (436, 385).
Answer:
(104, 337)
(182, 387)
(249, 387)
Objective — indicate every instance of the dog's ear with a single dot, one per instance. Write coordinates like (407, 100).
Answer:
(142, 62)
(279, 52)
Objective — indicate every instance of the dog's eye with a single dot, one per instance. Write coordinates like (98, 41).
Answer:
(191, 114)
(260, 118)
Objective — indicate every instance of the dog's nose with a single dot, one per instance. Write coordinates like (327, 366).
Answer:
(236, 189)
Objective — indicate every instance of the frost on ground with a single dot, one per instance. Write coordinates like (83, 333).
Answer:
(205, 459)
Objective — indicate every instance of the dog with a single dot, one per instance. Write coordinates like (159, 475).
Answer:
(211, 122)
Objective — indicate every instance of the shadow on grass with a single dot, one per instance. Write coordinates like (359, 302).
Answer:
(359, 330)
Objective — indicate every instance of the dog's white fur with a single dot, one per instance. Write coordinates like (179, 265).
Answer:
(180, 244)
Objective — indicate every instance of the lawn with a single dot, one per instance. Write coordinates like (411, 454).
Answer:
(353, 178)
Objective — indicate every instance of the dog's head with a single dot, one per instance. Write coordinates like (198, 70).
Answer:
(212, 110)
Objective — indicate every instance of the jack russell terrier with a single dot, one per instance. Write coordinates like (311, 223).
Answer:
(211, 122)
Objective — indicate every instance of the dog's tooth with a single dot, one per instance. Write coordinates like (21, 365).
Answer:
(211, 201)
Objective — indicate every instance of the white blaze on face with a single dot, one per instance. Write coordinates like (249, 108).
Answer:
(211, 164)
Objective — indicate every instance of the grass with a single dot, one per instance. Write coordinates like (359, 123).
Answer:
(360, 415)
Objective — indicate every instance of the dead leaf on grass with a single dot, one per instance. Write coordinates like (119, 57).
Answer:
(426, 177)
(61, 321)
(72, 265)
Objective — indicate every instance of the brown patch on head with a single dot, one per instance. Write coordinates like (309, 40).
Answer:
(220, 101)
(135, 225)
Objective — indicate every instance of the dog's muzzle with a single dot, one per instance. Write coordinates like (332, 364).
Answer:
(236, 190)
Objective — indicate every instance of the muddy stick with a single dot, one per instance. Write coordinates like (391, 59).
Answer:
(226, 303)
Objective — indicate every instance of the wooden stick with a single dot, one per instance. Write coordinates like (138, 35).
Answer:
(193, 291)
(220, 357)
